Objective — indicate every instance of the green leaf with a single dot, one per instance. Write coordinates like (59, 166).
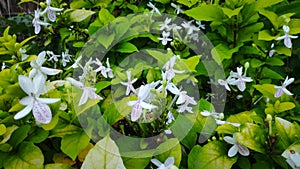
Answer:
(192, 62)
(105, 38)
(283, 50)
(212, 155)
(101, 85)
(255, 63)
(9, 131)
(79, 15)
(58, 166)
(28, 156)
(272, 16)
(253, 137)
(230, 13)
(133, 163)
(72, 144)
(294, 25)
(222, 51)
(266, 35)
(287, 133)
(173, 152)
(193, 157)
(269, 73)
(266, 3)
(38, 135)
(104, 155)
(127, 47)
(2, 129)
(206, 13)
(267, 90)
(105, 16)
(19, 135)
(281, 107)
(275, 62)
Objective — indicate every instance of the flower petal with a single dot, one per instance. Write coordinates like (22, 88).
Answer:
(24, 112)
(75, 82)
(286, 91)
(37, 28)
(169, 161)
(39, 84)
(206, 114)
(51, 15)
(50, 71)
(243, 150)
(26, 84)
(241, 85)
(147, 105)
(156, 162)
(41, 58)
(233, 150)
(136, 112)
(287, 42)
(48, 100)
(230, 140)
(27, 100)
(84, 97)
(279, 92)
(93, 95)
(41, 112)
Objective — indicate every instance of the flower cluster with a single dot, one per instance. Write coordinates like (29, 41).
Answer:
(34, 86)
(85, 82)
(51, 13)
(145, 96)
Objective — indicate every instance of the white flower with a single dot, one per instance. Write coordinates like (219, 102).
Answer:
(282, 89)
(37, 22)
(174, 27)
(154, 9)
(287, 38)
(66, 57)
(38, 69)
(190, 28)
(241, 79)
(237, 147)
(169, 67)
(293, 159)
(24, 56)
(52, 56)
(128, 84)
(184, 98)
(165, 38)
(272, 51)
(76, 64)
(215, 115)
(226, 82)
(39, 107)
(87, 92)
(166, 165)
(184, 107)
(221, 122)
(170, 118)
(3, 66)
(200, 25)
(177, 8)
(165, 25)
(108, 70)
(51, 11)
(143, 93)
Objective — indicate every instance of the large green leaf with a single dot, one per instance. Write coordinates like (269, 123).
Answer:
(212, 155)
(19, 135)
(28, 156)
(222, 51)
(72, 144)
(287, 133)
(104, 155)
(79, 15)
(58, 166)
(105, 16)
(267, 90)
(253, 137)
(206, 13)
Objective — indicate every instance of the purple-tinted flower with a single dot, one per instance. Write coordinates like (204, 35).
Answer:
(128, 84)
(287, 38)
(282, 89)
(237, 147)
(165, 38)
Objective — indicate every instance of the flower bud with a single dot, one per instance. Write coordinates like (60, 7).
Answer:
(269, 117)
